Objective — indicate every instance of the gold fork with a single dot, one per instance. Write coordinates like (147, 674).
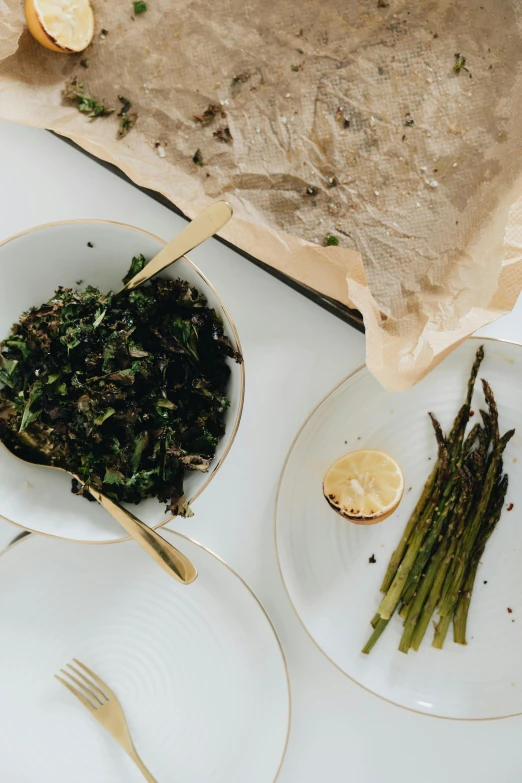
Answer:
(103, 704)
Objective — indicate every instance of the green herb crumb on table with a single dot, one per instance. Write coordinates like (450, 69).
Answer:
(331, 239)
(127, 391)
(128, 118)
(139, 7)
(78, 93)
(460, 63)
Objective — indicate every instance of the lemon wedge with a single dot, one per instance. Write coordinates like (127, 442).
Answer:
(364, 486)
(65, 26)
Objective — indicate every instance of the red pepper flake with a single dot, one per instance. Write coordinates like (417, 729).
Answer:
(471, 413)
(372, 559)
(510, 507)
(409, 489)
(510, 611)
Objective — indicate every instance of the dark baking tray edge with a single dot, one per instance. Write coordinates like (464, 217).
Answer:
(352, 317)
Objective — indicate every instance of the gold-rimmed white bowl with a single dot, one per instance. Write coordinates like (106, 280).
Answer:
(32, 265)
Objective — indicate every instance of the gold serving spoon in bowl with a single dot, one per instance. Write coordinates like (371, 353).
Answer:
(164, 553)
(204, 226)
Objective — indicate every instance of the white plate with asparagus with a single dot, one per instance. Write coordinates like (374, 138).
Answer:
(423, 609)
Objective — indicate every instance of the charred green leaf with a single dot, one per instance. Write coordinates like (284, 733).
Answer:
(127, 392)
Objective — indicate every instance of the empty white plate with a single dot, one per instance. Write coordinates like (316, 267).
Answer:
(198, 670)
(325, 560)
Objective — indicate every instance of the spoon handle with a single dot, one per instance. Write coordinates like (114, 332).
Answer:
(167, 556)
(197, 231)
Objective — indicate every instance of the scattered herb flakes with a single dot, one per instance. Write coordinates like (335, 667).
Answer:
(139, 7)
(510, 611)
(126, 104)
(241, 78)
(485, 581)
(311, 191)
(130, 390)
(127, 123)
(128, 120)
(89, 244)
(209, 114)
(330, 239)
(198, 158)
(296, 68)
(103, 33)
(409, 122)
(382, 4)
(341, 117)
(84, 63)
(224, 135)
(510, 507)
(460, 63)
(372, 559)
(77, 92)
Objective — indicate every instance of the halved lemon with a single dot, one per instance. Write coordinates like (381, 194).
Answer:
(65, 26)
(364, 486)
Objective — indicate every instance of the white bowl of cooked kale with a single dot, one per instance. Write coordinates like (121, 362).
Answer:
(138, 393)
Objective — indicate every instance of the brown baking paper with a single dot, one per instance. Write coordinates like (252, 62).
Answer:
(347, 118)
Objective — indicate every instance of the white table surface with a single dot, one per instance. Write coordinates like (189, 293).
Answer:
(294, 353)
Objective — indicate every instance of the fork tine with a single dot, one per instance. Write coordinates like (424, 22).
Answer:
(93, 698)
(102, 697)
(80, 696)
(103, 686)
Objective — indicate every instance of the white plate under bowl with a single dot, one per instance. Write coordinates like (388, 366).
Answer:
(199, 669)
(32, 265)
(325, 560)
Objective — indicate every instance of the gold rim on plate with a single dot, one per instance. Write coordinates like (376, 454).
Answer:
(316, 643)
(235, 334)
(19, 540)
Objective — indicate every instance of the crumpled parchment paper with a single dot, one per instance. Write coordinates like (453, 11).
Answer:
(11, 26)
(347, 118)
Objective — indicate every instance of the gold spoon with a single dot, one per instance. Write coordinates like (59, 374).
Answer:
(204, 226)
(165, 554)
